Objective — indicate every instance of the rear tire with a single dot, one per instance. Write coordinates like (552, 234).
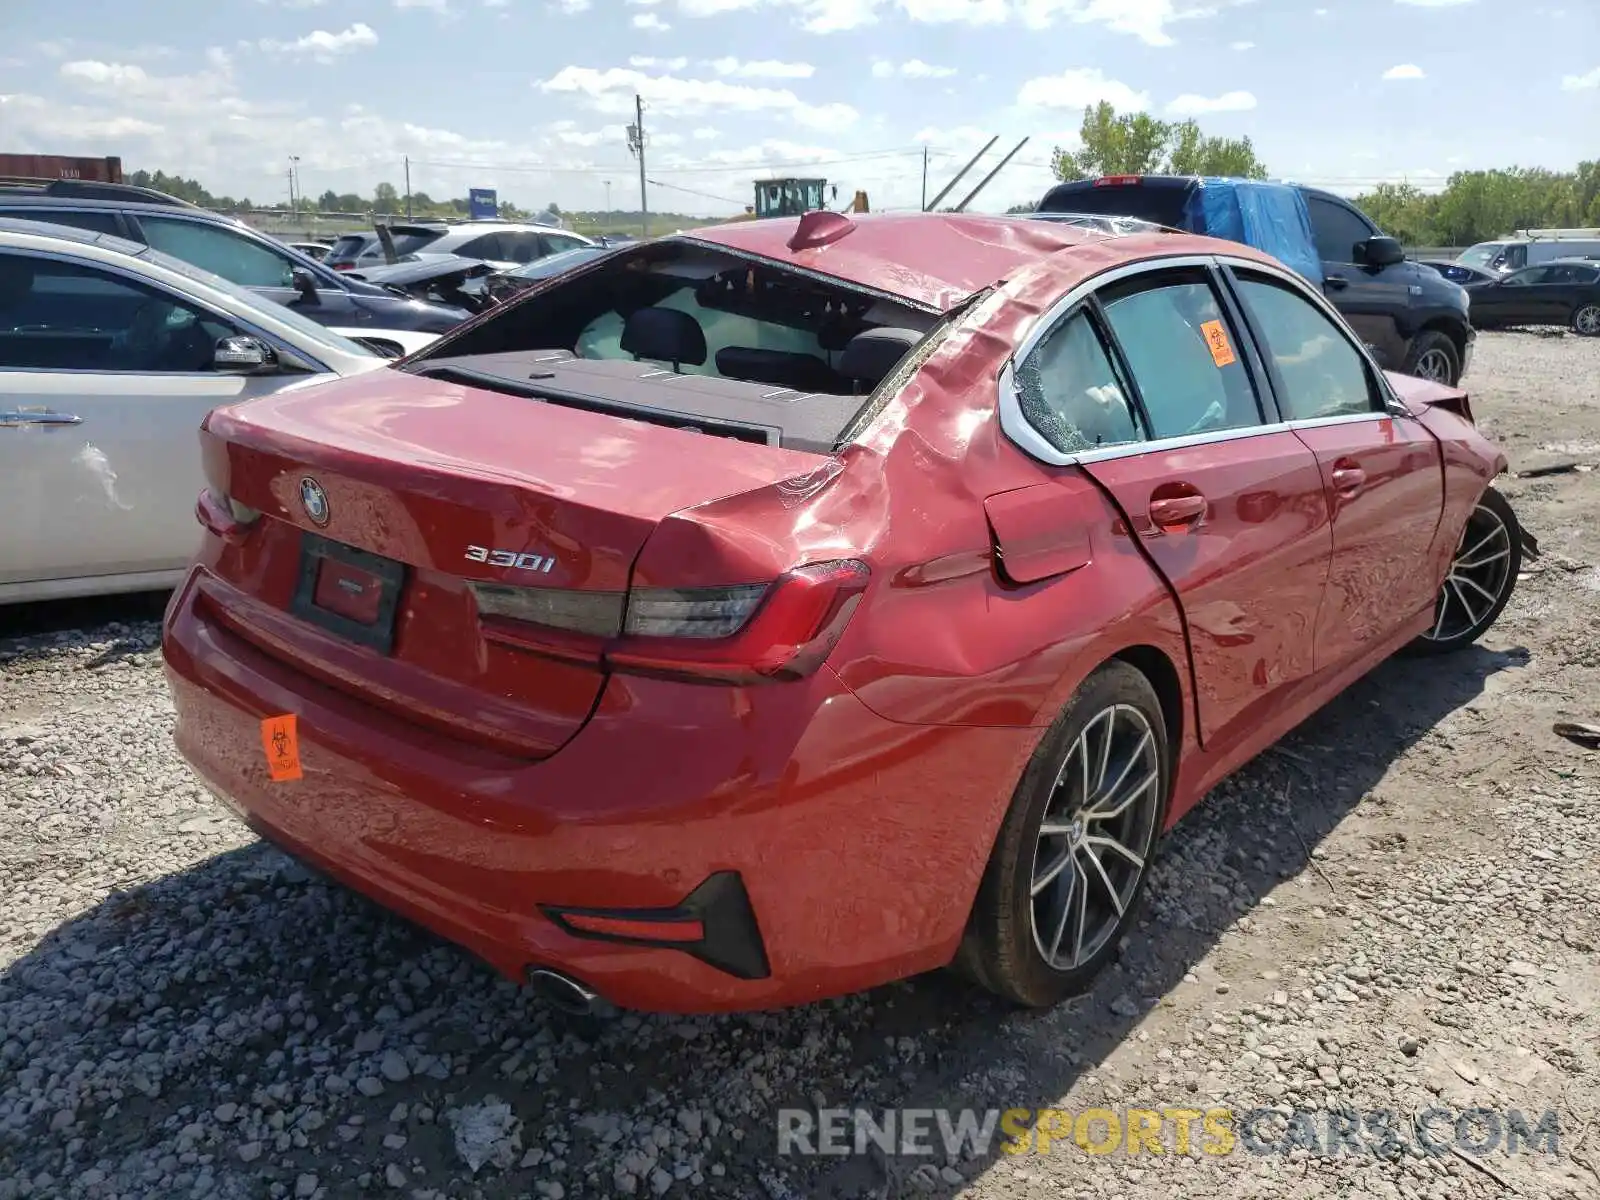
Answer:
(1483, 575)
(1433, 356)
(1059, 895)
(1586, 320)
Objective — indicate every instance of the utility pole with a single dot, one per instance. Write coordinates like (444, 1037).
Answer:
(924, 179)
(296, 195)
(636, 146)
(408, 187)
(608, 195)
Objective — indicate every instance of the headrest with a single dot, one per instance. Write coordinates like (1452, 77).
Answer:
(780, 368)
(664, 335)
(874, 353)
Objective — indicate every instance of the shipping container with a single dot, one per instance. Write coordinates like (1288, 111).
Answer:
(60, 166)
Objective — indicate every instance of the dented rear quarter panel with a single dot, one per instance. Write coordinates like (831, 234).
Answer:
(946, 640)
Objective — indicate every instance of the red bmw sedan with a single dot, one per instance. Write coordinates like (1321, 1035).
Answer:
(770, 611)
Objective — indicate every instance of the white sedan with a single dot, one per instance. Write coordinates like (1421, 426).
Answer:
(111, 354)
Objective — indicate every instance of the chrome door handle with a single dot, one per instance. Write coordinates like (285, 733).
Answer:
(40, 418)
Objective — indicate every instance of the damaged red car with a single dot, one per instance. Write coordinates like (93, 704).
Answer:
(770, 611)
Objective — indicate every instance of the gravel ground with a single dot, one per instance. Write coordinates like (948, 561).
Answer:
(1397, 910)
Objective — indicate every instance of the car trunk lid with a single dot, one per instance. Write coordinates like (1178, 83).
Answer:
(394, 507)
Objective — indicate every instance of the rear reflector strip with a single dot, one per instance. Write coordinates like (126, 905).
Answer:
(714, 923)
(652, 931)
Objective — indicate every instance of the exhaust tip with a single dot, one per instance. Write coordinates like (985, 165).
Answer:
(565, 993)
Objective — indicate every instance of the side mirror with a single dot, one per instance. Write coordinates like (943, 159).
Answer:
(1380, 252)
(305, 283)
(243, 355)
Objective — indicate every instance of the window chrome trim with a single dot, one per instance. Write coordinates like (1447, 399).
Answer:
(1016, 426)
(244, 326)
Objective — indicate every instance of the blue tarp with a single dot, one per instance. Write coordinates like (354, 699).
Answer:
(1269, 216)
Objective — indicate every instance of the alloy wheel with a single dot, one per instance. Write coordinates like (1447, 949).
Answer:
(1095, 837)
(1434, 365)
(1586, 320)
(1480, 574)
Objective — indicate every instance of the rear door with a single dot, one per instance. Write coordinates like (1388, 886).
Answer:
(1229, 508)
(1382, 472)
(1370, 299)
(104, 381)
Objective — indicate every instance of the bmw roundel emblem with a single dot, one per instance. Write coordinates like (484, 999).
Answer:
(314, 500)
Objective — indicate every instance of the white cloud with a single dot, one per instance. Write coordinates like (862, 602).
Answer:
(955, 12)
(612, 91)
(1080, 88)
(705, 134)
(913, 68)
(112, 76)
(1146, 20)
(1433, 3)
(1191, 105)
(438, 6)
(572, 7)
(1581, 83)
(645, 63)
(294, 3)
(1242, 46)
(651, 22)
(1405, 71)
(322, 46)
(761, 69)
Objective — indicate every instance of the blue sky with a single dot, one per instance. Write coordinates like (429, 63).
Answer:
(531, 96)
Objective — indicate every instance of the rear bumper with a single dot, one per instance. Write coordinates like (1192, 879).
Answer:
(857, 841)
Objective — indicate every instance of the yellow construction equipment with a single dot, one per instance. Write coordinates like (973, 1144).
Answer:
(791, 197)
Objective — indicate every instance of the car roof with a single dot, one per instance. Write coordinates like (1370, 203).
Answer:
(70, 233)
(938, 260)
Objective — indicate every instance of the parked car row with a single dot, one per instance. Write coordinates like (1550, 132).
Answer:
(1560, 291)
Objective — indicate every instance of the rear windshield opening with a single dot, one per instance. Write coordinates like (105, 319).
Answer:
(1161, 201)
(752, 350)
(759, 323)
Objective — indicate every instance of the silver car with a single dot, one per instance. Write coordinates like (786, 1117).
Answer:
(111, 354)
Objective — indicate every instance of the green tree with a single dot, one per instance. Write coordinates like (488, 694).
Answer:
(385, 199)
(1139, 144)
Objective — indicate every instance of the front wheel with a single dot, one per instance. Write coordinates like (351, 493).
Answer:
(1433, 356)
(1069, 866)
(1586, 321)
(1483, 574)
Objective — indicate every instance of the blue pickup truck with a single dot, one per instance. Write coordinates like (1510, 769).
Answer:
(1413, 319)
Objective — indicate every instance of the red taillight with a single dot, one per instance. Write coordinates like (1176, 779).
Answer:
(1116, 180)
(743, 633)
(224, 516)
(342, 266)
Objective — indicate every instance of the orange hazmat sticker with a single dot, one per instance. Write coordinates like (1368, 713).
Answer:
(1217, 341)
(281, 741)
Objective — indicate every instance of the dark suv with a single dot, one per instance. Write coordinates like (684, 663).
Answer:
(225, 247)
(1412, 318)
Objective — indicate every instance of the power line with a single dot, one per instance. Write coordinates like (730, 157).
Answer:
(692, 192)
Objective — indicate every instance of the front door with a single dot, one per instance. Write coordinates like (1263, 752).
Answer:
(1369, 298)
(1229, 509)
(1382, 472)
(104, 381)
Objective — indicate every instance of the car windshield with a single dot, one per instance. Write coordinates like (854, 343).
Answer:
(1494, 256)
(554, 264)
(253, 303)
